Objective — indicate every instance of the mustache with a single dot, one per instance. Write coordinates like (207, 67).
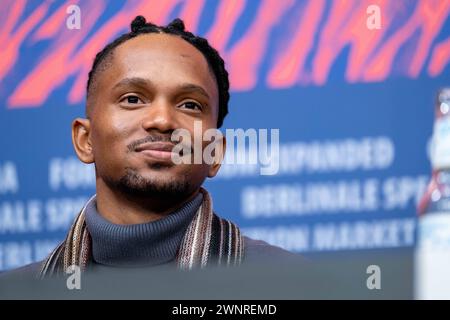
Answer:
(156, 138)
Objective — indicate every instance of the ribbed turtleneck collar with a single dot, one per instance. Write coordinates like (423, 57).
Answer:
(144, 244)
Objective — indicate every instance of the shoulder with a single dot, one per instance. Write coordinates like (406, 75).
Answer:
(258, 250)
(29, 271)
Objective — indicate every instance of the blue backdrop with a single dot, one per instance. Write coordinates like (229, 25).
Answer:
(349, 84)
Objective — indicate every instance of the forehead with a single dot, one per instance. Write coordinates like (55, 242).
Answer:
(163, 59)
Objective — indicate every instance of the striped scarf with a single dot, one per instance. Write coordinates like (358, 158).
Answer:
(209, 240)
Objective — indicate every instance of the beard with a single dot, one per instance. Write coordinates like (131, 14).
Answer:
(134, 184)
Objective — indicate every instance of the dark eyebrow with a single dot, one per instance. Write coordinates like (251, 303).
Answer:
(145, 83)
(135, 81)
(190, 87)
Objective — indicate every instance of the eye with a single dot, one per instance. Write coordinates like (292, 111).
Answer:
(191, 105)
(132, 99)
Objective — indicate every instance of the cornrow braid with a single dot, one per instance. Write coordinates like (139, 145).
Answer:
(140, 26)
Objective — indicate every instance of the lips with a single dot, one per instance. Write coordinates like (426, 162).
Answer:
(156, 150)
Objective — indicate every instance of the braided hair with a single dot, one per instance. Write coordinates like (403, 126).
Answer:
(140, 26)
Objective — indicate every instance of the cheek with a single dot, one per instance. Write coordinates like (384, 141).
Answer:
(198, 128)
(110, 138)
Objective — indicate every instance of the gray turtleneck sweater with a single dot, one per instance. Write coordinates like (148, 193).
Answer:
(147, 244)
(152, 244)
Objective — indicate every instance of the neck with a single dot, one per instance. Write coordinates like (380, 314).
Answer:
(120, 208)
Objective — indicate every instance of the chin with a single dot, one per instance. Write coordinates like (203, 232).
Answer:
(163, 174)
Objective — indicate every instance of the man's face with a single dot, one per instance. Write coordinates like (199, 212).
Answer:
(154, 84)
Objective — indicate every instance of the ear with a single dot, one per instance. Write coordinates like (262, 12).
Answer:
(219, 154)
(81, 140)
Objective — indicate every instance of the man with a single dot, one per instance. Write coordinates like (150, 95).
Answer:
(149, 211)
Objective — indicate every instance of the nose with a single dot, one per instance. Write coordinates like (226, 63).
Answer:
(160, 116)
